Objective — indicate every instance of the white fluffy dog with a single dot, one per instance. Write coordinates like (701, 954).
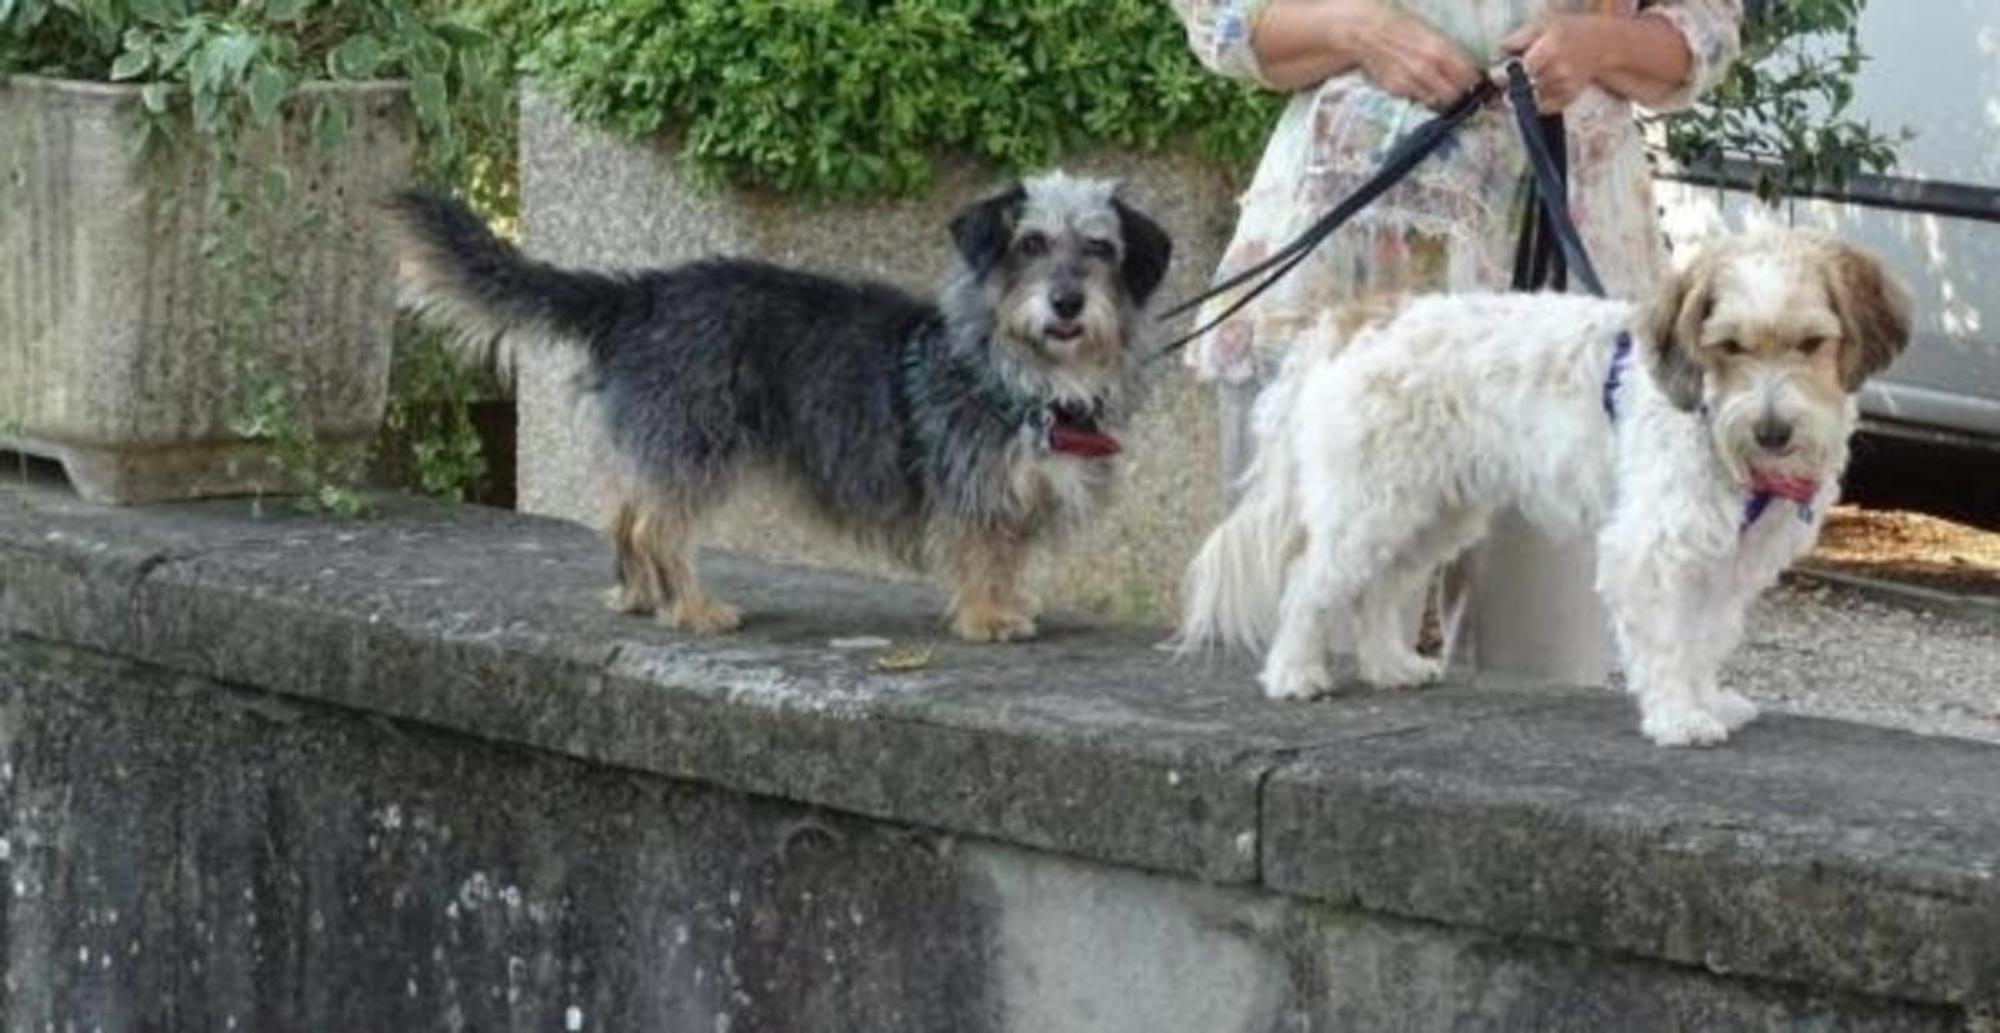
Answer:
(1701, 438)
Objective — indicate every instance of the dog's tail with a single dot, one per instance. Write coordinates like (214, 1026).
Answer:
(1229, 596)
(1231, 592)
(452, 270)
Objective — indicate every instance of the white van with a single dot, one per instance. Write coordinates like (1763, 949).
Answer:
(1934, 67)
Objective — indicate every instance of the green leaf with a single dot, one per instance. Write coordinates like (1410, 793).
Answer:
(358, 58)
(283, 10)
(231, 54)
(277, 184)
(155, 12)
(154, 96)
(462, 37)
(268, 90)
(131, 64)
(427, 92)
(329, 126)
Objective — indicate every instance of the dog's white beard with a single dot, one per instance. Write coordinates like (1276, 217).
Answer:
(1082, 369)
(1816, 438)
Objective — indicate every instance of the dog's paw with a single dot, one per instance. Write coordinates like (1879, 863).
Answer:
(1683, 726)
(704, 616)
(1730, 708)
(624, 599)
(993, 625)
(1303, 682)
(1406, 669)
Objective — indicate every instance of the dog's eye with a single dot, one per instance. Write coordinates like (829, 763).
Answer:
(1729, 346)
(1033, 245)
(1811, 345)
(1103, 249)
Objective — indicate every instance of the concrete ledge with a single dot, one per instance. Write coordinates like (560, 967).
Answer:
(1846, 860)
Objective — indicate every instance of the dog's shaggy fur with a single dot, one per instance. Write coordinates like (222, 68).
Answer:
(962, 432)
(1389, 442)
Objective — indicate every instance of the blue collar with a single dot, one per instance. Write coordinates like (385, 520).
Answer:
(1621, 356)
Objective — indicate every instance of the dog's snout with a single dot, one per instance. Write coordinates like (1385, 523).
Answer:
(1067, 302)
(1772, 434)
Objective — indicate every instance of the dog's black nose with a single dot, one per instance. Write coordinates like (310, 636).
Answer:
(1773, 434)
(1067, 302)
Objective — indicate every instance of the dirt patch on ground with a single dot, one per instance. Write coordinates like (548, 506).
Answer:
(1912, 548)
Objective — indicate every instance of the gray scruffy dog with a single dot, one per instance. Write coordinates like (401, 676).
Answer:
(960, 433)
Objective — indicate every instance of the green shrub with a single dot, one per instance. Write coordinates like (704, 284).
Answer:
(1783, 108)
(859, 96)
(236, 63)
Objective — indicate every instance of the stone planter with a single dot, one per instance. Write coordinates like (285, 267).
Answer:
(588, 199)
(109, 358)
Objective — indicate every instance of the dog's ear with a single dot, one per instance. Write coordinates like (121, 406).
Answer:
(983, 229)
(1672, 325)
(1148, 250)
(1874, 310)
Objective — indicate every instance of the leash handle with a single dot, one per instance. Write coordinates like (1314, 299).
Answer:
(1549, 180)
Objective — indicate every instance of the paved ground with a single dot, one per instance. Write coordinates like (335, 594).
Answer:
(1832, 652)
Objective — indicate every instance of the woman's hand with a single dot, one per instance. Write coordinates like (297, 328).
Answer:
(1641, 59)
(1303, 42)
(1403, 55)
(1562, 54)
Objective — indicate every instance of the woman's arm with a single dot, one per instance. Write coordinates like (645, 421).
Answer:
(1302, 42)
(1649, 60)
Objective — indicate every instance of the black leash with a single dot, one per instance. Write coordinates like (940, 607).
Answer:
(1410, 149)
(1543, 139)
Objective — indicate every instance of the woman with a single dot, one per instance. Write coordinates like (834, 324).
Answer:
(1362, 72)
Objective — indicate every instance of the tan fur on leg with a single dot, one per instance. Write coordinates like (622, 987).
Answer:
(655, 541)
(986, 604)
(638, 589)
(671, 531)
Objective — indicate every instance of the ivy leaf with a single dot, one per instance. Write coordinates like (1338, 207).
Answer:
(462, 37)
(329, 126)
(355, 59)
(232, 53)
(277, 184)
(155, 12)
(268, 89)
(154, 96)
(177, 51)
(428, 94)
(131, 64)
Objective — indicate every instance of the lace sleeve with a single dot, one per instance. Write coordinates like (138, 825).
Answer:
(1712, 29)
(1218, 32)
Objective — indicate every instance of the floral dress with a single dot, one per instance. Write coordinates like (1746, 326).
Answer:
(1452, 224)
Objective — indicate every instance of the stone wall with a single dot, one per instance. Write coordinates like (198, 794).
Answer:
(263, 772)
(590, 200)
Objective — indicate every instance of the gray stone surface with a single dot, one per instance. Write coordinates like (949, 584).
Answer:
(182, 854)
(589, 200)
(1810, 850)
(109, 361)
(1852, 860)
